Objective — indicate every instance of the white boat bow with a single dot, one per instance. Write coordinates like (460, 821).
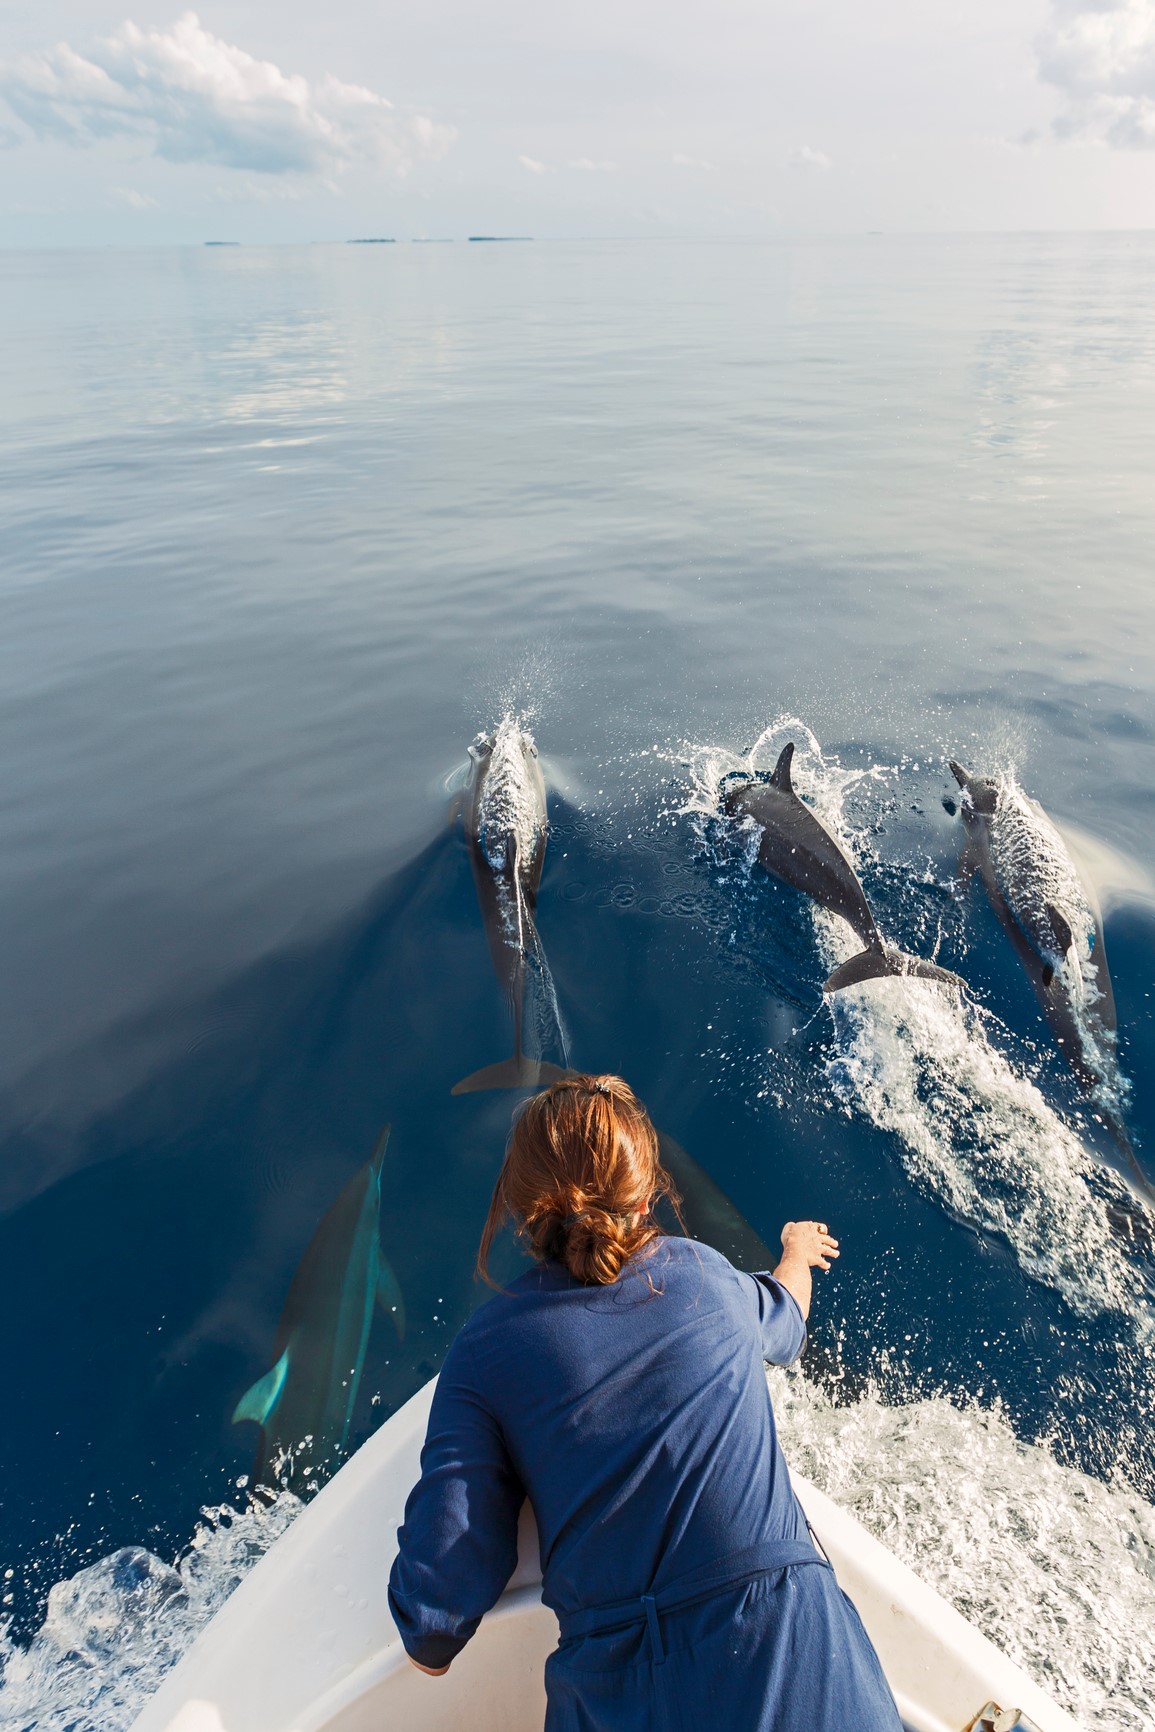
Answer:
(307, 1643)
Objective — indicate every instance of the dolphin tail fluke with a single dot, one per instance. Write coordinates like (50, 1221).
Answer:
(518, 1072)
(884, 964)
(258, 1402)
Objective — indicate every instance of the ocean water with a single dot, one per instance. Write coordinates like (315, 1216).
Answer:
(283, 530)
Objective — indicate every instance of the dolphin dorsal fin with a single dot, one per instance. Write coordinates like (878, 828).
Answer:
(781, 776)
(258, 1402)
(1061, 927)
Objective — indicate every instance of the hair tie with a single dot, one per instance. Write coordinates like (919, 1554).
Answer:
(602, 1088)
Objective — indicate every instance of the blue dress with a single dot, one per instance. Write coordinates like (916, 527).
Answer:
(636, 1419)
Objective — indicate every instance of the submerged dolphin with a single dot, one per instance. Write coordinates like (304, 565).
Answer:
(506, 829)
(708, 1212)
(800, 851)
(324, 1328)
(1054, 925)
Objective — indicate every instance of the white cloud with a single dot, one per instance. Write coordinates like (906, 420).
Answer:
(188, 96)
(805, 156)
(698, 162)
(533, 165)
(1102, 57)
(132, 198)
(590, 166)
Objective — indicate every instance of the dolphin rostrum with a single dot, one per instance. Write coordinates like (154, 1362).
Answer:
(798, 849)
(506, 828)
(324, 1328)
(1054, 925)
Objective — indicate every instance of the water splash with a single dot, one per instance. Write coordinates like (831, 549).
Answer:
(1055, 1567)
(112, 1632)
(917, 1060)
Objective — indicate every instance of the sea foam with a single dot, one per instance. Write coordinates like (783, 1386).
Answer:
(113, 1630)
(1055, 1567)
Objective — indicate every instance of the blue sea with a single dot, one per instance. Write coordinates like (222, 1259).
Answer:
(283, 530)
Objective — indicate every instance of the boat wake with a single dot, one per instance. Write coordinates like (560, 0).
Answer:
(917, 1060)
(1056, 1568)
(114, 1630)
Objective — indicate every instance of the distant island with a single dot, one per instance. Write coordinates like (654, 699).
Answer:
(501, 237)
(222, 243)
(371, 241)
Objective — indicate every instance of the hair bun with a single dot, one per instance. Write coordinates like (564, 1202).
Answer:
(597, 1245)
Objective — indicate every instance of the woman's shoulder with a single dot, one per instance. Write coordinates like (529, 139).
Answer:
(508, 1300)
(695, 1252)
(690, 1259)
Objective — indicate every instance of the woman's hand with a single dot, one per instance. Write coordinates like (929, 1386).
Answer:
(809, 1239)
(806, 1245)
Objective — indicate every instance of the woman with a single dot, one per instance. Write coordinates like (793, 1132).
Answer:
(619, 1386)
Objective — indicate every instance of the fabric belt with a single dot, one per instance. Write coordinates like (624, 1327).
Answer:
(734, 1571)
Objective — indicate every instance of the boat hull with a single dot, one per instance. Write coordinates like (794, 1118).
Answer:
(306, 1643)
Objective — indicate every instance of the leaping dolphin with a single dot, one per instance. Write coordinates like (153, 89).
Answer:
(798, 849)
(506, 827)
(1054, 924)
(323, 1333)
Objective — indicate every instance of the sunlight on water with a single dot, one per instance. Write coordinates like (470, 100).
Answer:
(1056, 1568)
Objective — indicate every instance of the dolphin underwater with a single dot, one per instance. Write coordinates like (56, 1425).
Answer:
(796, 848)
(1054, 925)
(506, 828)
(708, 1212)
(324, 1328)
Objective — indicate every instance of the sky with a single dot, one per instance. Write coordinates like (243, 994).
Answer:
(134, 122)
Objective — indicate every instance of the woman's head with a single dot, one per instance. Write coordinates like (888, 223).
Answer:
(580, 1176)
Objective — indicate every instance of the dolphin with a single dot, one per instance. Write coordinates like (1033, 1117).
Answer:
(1046, 912)
(708, 1212)
(506, 828)
(798, 849)
(323, 1333)
(1054, 925)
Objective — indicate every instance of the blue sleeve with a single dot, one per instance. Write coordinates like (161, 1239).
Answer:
(779, 1318)
(457, 1546)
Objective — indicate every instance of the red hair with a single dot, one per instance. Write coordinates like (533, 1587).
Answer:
(580, 1176)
